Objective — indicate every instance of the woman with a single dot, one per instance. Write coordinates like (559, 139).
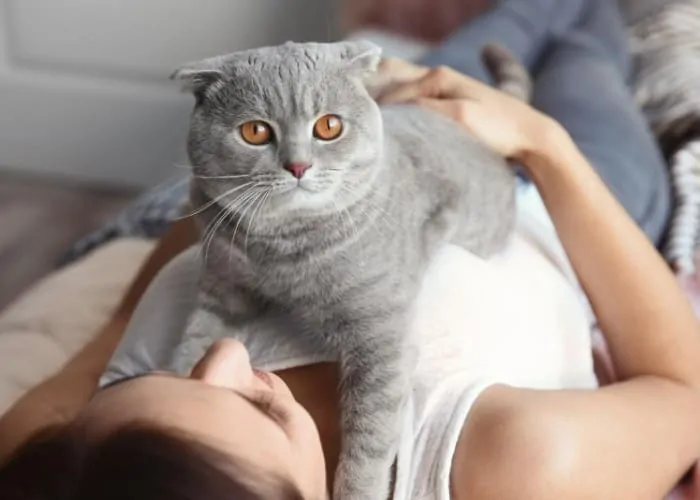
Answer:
(521, 431)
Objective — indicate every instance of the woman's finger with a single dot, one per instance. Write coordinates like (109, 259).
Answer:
(427, 86)
(401, 69)
(451, 108)
(391, 73)
(440, 82)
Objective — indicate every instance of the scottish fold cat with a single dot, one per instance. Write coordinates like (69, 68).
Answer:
(323, 209)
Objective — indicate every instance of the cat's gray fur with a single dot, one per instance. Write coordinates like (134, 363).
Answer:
(341, 254)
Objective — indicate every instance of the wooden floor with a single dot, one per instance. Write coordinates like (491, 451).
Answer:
(38, 223)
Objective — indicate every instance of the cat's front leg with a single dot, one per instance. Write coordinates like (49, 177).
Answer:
(376, 368)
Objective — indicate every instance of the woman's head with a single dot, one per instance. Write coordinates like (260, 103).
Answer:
(226, 428)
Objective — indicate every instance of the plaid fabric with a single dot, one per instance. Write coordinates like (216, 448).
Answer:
(148, 217)
(684, 229)
(666, 45)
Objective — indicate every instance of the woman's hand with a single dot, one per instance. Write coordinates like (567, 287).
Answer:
(510, 127)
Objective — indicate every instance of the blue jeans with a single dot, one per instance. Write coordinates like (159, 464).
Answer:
(577, 52)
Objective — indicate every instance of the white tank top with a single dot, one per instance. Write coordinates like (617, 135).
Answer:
(518, 318)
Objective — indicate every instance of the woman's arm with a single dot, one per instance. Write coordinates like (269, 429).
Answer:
(649, 325)
(631, 440)
(62, 396)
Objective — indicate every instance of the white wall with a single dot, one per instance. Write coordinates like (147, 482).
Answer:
(83, 83)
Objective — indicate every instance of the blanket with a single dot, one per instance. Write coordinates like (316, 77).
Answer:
(43, 328)
(666, 47)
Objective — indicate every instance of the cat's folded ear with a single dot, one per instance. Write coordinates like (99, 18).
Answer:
(200, 76)
(361, 56)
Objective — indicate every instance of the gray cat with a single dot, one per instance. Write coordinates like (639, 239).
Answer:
(324, 210)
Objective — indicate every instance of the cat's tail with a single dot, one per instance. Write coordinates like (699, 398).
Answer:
(510, 75)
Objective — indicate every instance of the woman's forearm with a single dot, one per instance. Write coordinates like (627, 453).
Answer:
(648, 323)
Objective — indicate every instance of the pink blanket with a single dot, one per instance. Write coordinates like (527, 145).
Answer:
(690, 283)
(430, 20)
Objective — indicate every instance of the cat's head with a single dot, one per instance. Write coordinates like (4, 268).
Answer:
(294, 121)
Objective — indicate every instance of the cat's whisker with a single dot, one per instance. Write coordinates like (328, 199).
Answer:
(251, 206)
(263, 199)
(345, 213)
(352, 223)
(392, 202)
(205, 234)
(375, 218)
(238, 205)
(359, 206)
(208, 204)
(368, 217)
(344, 230)
(377, 215)
(241, 203)
(249, 202)
(212, 233)
(227, 212)
(209, 234)
(382, 215)
(208, 231)
(222, 177)
(230, 211)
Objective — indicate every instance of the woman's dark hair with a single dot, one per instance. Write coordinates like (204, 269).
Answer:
(134, 463)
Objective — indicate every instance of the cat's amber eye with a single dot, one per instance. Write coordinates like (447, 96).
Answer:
(256, 133)
(328, 127)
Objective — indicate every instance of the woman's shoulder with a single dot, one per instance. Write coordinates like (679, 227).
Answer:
(513, 446)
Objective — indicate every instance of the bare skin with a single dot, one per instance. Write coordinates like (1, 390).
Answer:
(630, 440)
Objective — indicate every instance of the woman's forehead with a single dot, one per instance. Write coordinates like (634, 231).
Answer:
(171, 400)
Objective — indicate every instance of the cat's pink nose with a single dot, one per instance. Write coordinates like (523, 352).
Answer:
(297, 169)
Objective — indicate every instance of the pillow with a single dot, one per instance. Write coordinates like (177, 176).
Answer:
(47, 325)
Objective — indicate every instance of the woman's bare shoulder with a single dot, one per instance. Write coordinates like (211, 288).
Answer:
(525, 443)
(505, 449)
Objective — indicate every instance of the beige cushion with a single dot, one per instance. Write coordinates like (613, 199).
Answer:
(48, 324)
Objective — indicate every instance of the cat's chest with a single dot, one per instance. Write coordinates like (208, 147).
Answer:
(283, 278)
(321, 266)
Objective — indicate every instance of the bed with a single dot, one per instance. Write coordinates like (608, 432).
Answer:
(44, 327)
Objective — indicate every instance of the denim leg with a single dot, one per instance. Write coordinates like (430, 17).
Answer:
(581, 82)
(524, 27)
